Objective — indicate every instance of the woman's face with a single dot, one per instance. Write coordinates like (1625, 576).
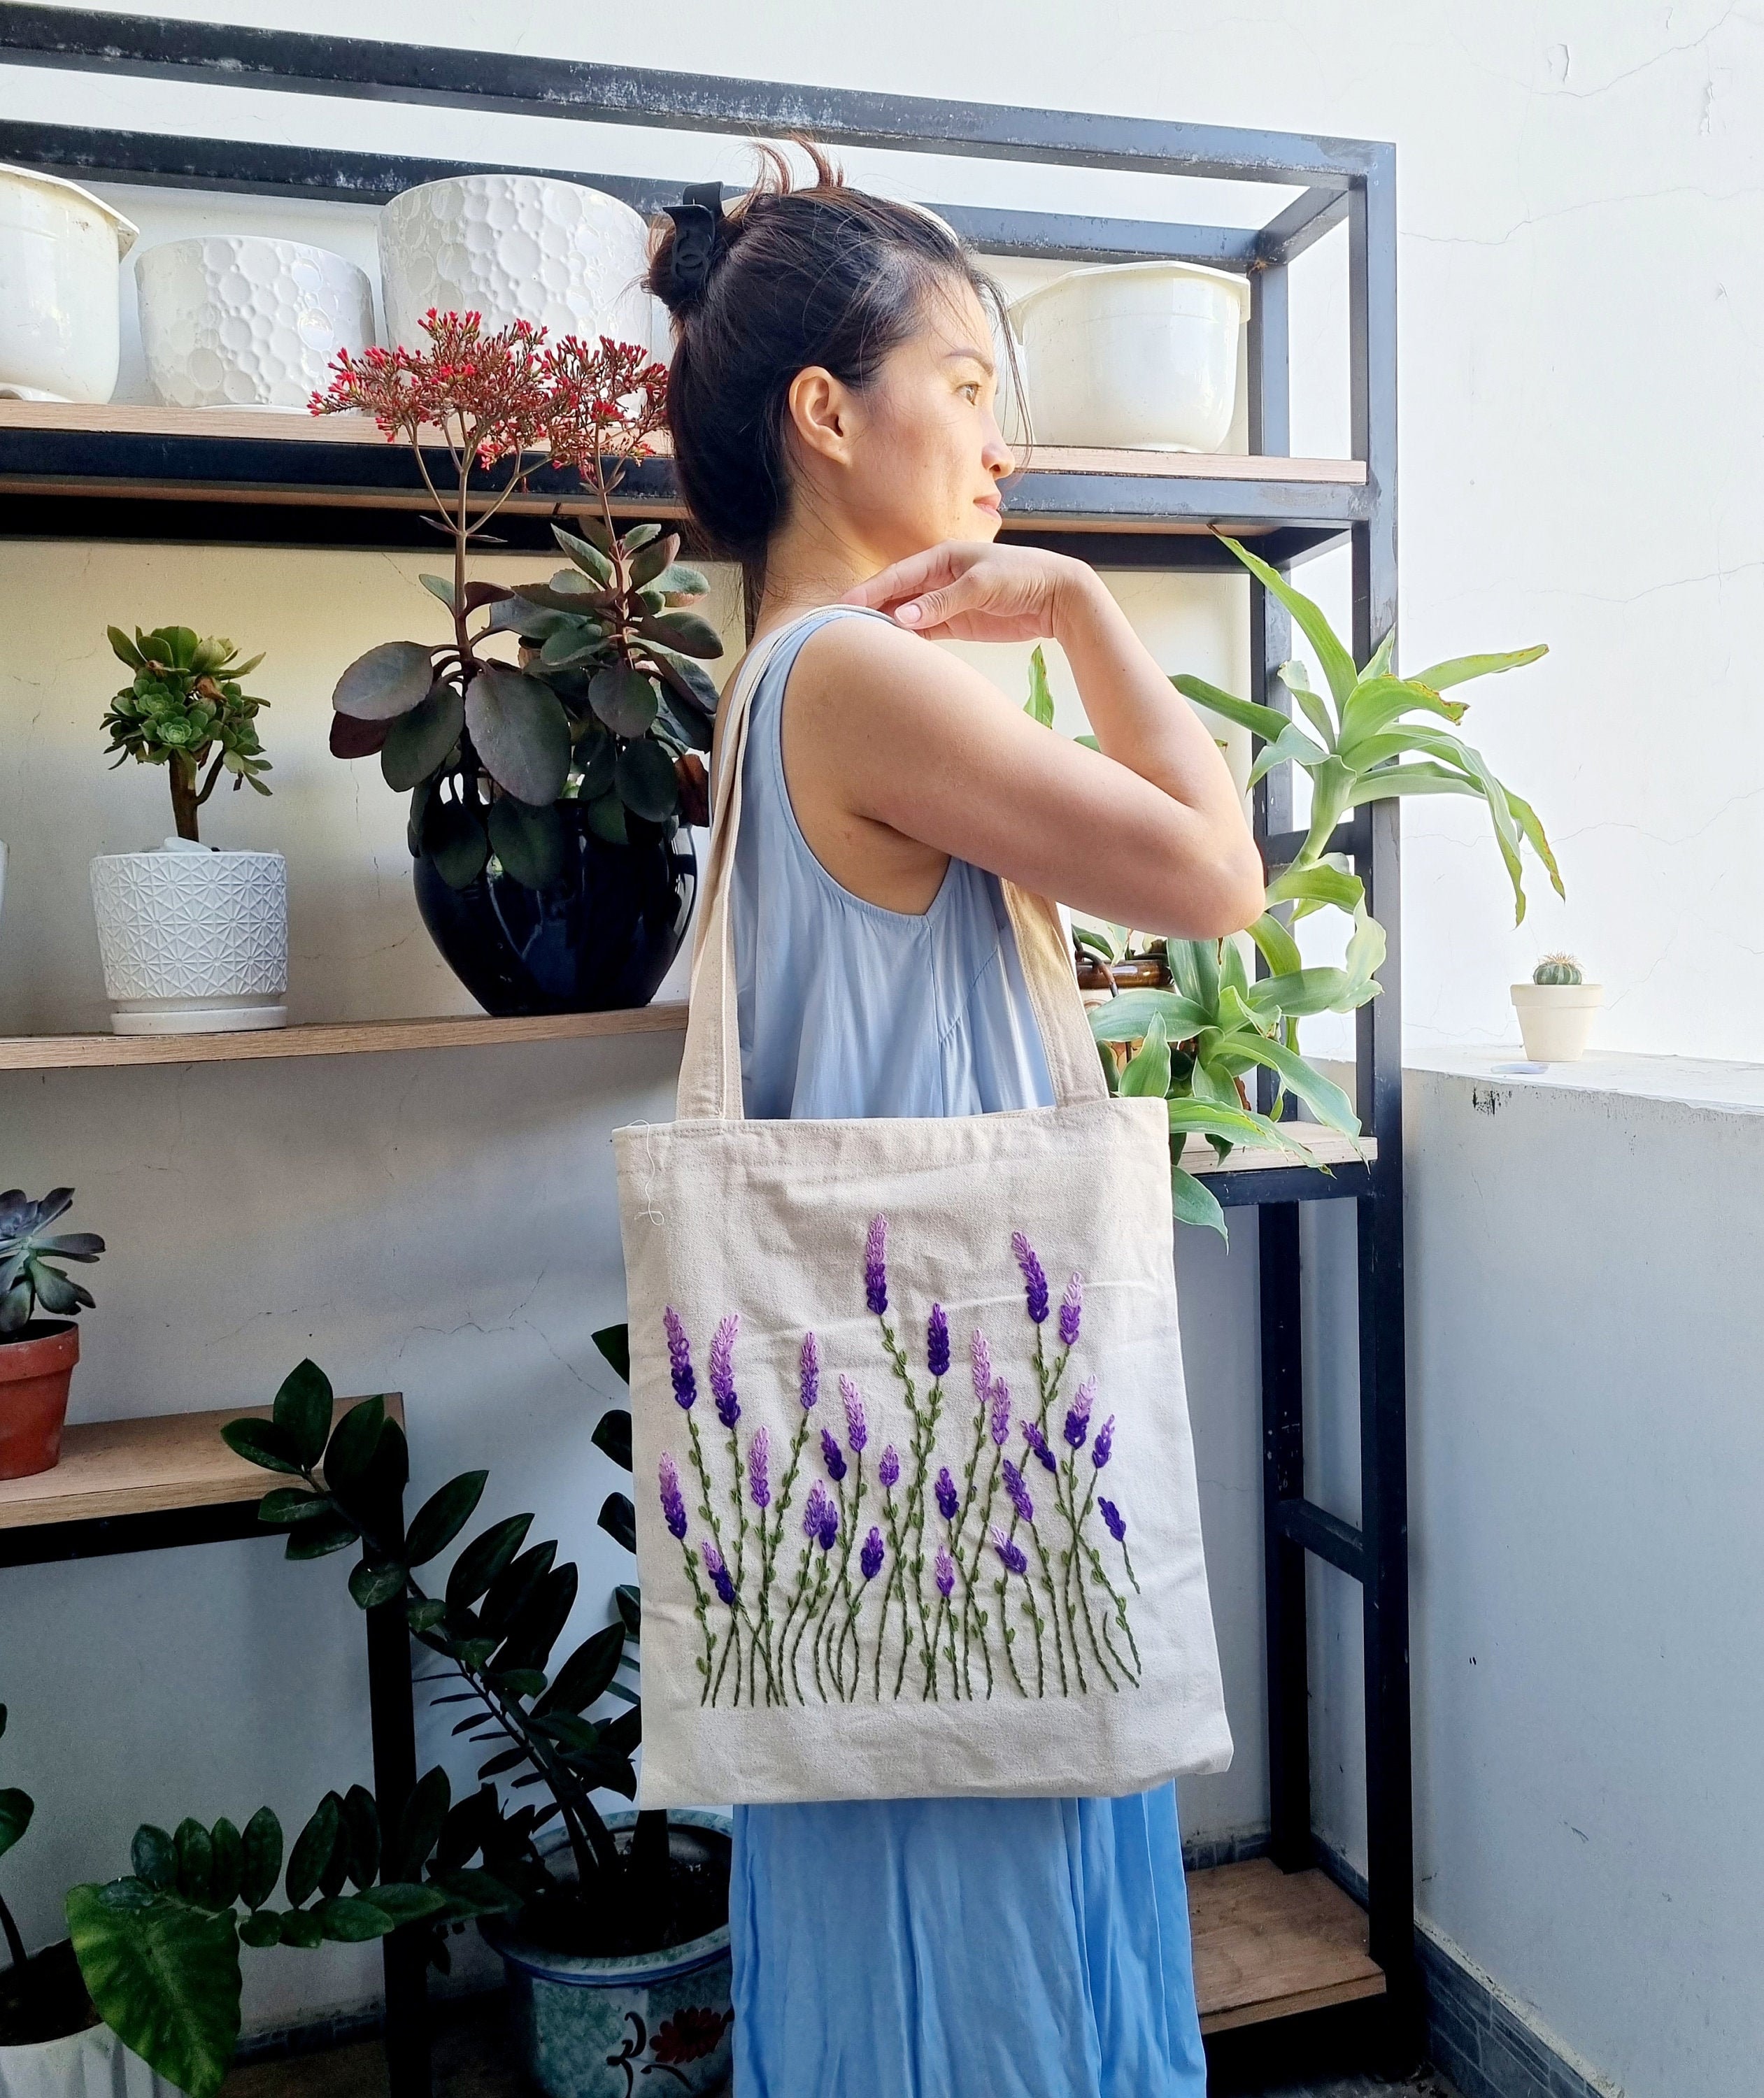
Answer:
(915, 457)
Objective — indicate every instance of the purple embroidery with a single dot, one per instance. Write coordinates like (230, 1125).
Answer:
(1001, 1412)
(1037, 1442)
(1104, 1444)
(1078, 1418)
(723, 1369)
(1115, 1520)
(1071, 1311)
(870, 1559)
(672, 1502)
(719, 1574)
(982, 1357)
(947, 1498)
(1009, 1554)
(875, 1275)
(833, 1457)
(759, 1454)
(937, 1342)
(857, 1430)
(679, 1359)
(945, 1574)
(810, 1371)
(814, 1510)
(1035, 1281)
(889, 1470)
(1019, 1492)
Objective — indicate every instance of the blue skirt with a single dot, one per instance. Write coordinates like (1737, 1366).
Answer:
(963, 1948)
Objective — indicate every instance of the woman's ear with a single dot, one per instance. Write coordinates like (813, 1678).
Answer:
(821, 413)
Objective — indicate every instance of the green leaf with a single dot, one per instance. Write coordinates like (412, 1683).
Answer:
(532, 844)
(515, 1586)
(521, 732)
(484, 1559)
(16, 1809)
(1450, 750)
(618, 1519)
(1297, 993)
(678, 582)
(300, 1928)
(153, 1857)
(639, 535)
(125, 648)
(614, 1343)
(1268, 722)
(290, 1504)
(317, 1540)
(605, 817)
(352, 1445)
(630, 1608)
(1149, 1072)
(588, 1673)
(651, 559)
(195, 1861)
(476, 1894)
(263, 1858)
(1126, 1017)
(385, 683)
(261, 1929)
(1461, 669)
(226, 1865)
(302, 1411)
(1526, 817)
(403, 1901)
(684, 631)
(612, 1436)
(375, 1582)
(1291, 746)
(1380, 701)
(1319, 883)
(1331, 795)
(312, 1849)
(440, 586)
(645, 780)
(1392, 779)
(423, 1616)
(442, 1516)
(1211, 1118)
(1338, 664)
(1278, 947)
(1309, 703)
(419, 742)
(1040, 706)
(624, 699)
(689, 680)
(453, 838)
(1193, 1203)
(1321, 1095)
(589, 559)
(165, 1977)
(419, 1825)
(262, 1442)
(347, 1920)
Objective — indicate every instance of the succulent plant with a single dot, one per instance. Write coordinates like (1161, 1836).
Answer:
(1557, 969)
(27, 1279)
(185, 704)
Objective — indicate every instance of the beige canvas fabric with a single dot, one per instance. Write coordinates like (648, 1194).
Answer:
(1015, 1601)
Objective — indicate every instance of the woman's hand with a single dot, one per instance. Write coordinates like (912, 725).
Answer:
(969, 590)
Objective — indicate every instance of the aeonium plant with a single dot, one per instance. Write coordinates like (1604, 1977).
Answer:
(599, 720)
(186, 708)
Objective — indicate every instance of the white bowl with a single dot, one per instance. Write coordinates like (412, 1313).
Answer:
(238, 320)
(59, 248)
(1138, 355)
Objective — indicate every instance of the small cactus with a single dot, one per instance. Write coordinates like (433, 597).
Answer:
(1557, 969)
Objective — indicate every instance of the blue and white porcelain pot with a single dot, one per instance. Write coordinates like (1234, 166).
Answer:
(612, 2028)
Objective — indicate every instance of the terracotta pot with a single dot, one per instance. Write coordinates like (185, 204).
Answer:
(35, 1369)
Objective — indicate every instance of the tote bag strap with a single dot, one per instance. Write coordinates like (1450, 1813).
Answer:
(710, 1067)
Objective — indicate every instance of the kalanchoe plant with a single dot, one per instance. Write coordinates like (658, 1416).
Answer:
(187, 709)
(608, 706)
(29, 1279)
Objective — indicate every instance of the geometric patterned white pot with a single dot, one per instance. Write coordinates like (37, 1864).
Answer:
(92, 2064)
(237, 321)
(192, 941)
(514, 248)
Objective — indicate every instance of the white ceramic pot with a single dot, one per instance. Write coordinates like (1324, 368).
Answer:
(235, 321)
(59, 248)
(93, 2064)
(1142, 355)
(1556, 1020)
(193, 941)
(516, 247)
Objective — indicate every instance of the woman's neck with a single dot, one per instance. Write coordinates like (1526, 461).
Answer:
(810, 562)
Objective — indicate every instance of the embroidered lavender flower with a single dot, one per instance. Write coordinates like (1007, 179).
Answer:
(673, 1501)
(856, 1428)
(876, 1274)
(759, 1459)
(937, 1342)
(948, 1499)
(944, 1572)
(1010, 1556)
(870, 1559)
(833, 1457)
(1037, 1443)
(810, 1371)
(1104, 1444)
(1034, 1280)
(719, 1574)
(1078, 1416)
(889, 1470)
(982, 1359)
(1001, 1412)
(1019, 1492)
(829, 1532)
(1071, 1311)
(1117, 1522)
(723, 1369)
(814, 1511)
(679, 1359)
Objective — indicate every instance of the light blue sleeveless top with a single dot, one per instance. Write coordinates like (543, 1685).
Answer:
(929, 1948)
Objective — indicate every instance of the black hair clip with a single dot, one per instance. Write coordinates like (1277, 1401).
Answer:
(698, 237)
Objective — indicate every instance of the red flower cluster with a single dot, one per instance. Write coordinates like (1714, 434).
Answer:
(614, 397)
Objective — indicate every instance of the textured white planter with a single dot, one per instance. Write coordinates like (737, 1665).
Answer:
(93, 2064)
(193, 941)
(1556, 1020)
(1142, 355)
(516, 247)
(59, 248)
(235, 321)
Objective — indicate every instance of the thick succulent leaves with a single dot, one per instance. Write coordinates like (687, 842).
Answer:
(386, 681)
(1461, 669)
(1380, 701)
(520, 732)
(1268, 722)
(1291, 746)
(531, 844)
(418, 743)
(1126, 1017)
(1321, 1095)
(1332, 796)
(1148, 1074)
(1526, 817)
(1338, 664)
(1310, 704)
(590, 560)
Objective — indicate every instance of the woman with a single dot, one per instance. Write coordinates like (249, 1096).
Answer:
(831, 404)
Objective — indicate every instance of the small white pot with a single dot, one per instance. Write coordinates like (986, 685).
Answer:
(1556, 1020)
(514, 248)
(236, 321)
(1141, 355)
(193, 941)
(59, 248)
(93, 2064)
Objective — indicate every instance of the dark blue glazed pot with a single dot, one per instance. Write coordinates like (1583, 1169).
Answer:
(600, 939)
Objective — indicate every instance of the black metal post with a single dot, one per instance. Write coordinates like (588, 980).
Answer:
(393, 1717)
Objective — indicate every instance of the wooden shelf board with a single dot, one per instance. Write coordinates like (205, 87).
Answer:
(123, 1467)
(54, 1052)
(1268, 1944)
(1325, 1146)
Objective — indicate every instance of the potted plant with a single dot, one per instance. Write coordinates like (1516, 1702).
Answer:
(1555, 1010)
(547, 793)
(38, 1354)
(194, 940)
(617, 1948)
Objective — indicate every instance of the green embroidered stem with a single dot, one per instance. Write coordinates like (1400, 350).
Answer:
(896, 1581)
(1074, 1575)
(814, 1644)
(707, 1515)
(1127, 1560)
(1009, 1631)
(701, 1611)
(785, 1684)
(1101, 1578)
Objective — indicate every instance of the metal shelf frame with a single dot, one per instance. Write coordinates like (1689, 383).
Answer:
(1340, 182)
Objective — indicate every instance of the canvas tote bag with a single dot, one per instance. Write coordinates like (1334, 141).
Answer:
(915, 1496)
